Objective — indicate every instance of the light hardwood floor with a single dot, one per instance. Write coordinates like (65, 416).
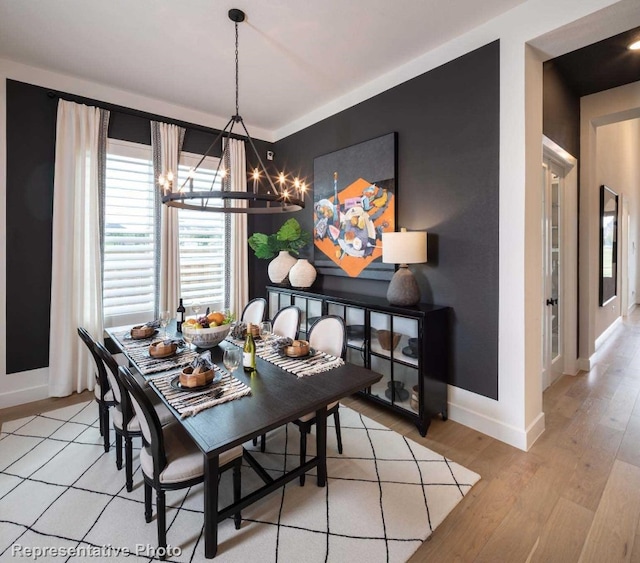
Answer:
(575, 496)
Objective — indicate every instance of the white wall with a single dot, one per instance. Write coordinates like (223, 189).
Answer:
(609, 142)
(618, 167)
(516, 417)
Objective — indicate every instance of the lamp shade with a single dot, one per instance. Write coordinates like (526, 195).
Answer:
(404, 247)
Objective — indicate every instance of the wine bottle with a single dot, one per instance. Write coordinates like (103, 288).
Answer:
(249, 352)
(180, 316)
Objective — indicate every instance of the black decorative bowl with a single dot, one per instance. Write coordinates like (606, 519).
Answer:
(355, 331)
(396, 391)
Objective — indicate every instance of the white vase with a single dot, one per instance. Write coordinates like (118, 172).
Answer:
(279, 267)
(302, 274)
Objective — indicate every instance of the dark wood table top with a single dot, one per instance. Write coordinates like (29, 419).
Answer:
(277, 397)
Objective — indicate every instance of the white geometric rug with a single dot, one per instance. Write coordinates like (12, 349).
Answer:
(60, 491)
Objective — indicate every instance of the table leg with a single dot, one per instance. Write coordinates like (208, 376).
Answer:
(211, 472)
(321, 445)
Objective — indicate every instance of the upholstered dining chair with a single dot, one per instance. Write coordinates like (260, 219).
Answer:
(287, 322)
(328, 335)
(102, 391)
(125, 422)
(254, 311)
(169, 458)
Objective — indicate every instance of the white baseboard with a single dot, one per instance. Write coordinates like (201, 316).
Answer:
(521, 439)
(23, 396)
(608, 332)
(584, 364)
(24, 387)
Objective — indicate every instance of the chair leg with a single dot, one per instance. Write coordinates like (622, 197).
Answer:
(303, 451)
(255, 441)
(162, 521)
(118, 451)
(263, 443)
(237, 493)
(147, 502)
(105, 427)
(336, 419)
(100, 419)
(128, 462)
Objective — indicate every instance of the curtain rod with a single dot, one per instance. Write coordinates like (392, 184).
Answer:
(134, 112)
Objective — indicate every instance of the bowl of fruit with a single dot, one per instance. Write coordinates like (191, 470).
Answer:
(207, 331)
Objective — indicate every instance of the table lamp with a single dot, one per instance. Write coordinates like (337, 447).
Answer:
(404, 248)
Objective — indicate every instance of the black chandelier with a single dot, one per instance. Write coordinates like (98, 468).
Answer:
(283, 195)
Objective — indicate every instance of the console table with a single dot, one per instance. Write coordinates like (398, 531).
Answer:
(408, 346)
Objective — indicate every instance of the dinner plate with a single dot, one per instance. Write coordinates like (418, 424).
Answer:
(178, 350)
(312, 352)
(175, 383)
(156, 331)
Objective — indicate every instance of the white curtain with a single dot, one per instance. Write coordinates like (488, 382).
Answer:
(76, 285)
(237, 247)
(167, 143)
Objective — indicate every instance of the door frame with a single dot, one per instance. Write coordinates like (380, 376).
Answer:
(567, 164)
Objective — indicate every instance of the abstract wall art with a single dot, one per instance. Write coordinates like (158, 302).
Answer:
(354, 203)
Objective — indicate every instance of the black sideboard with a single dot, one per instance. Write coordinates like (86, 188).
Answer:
(409, 346)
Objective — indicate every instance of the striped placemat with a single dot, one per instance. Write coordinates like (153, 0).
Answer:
(129, 343)
(189, 403)
(300, 367)
(138, 351)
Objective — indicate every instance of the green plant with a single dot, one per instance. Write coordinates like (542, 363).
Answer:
(290, 237)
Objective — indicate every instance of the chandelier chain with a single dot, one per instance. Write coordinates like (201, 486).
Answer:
(237, 106)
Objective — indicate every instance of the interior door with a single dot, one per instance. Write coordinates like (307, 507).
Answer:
(552, 330)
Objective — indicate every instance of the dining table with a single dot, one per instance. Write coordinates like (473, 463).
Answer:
(274, 398)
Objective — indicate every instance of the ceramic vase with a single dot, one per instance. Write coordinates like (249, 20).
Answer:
(302, 274)
(279, 267)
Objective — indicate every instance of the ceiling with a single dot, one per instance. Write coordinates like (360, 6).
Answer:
(602, 65)
(295, 57)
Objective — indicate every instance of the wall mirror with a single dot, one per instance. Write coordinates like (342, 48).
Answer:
(608, 244)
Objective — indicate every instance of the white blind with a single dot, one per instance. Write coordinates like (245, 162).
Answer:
(129, 234)
(201, 240)
(130, 251)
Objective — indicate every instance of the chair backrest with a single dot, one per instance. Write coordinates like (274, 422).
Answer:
(327, 334)
(120, 392)
(101, 373)
(254, 311)
(150, 425)
(112, 366)
(286, 322)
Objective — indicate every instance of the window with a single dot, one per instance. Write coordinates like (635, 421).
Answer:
(201, 240)
(129, 246)
(130, 249)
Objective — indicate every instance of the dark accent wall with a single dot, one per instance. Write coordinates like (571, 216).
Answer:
(31, 130)
(560, 109)
(447, 122)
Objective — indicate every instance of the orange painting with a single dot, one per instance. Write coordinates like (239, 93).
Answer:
(350, 233)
